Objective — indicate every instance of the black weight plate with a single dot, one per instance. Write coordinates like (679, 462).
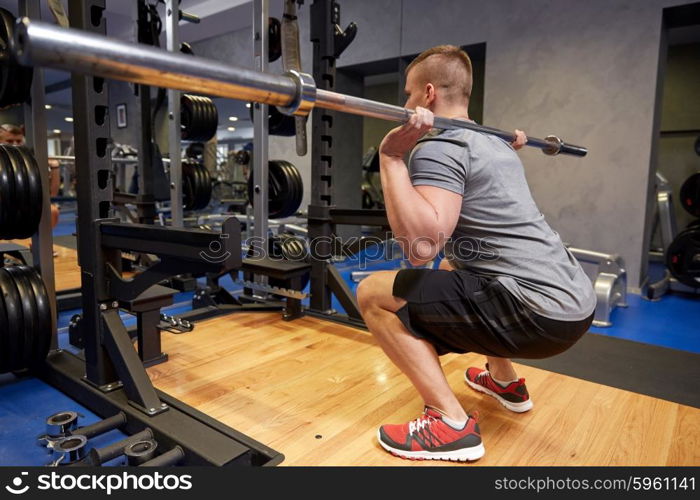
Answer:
(205, 123)
(43, 313)
(213, 121)
(4, 335)
(283, 187)
(20, 207)
(15, 320)
(26, 295)
(203, 178)
(16, 80)
(206, 187)
(197, 116)
(186, 115)
(277, 188)
(300, 186)
(188, 186)
(6, 76)
(35, 191)
(8, 81)
(27, 218)
(690, 195)
(683, 257)
(295, 190)
(274, 37)
(7, 198)
(196, 119)
(291, 190)
(197, 186)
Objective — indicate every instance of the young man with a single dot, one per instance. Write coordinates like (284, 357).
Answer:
(507, 288)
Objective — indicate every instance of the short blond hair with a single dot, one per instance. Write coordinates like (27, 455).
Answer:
(448, 68)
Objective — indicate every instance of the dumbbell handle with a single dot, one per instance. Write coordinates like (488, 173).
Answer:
(108, 424)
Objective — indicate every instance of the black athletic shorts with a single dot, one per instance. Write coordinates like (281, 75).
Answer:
(458, 311)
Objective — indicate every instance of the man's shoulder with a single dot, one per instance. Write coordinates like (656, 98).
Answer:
(443, 141)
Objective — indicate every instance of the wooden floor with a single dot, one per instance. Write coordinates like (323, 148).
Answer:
(66, 267)
(317, 391)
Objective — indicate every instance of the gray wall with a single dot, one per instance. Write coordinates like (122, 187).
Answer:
(586, 71)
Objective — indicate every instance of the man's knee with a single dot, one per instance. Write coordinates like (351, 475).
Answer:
(366, 293)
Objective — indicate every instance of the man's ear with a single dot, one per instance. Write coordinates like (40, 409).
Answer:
(429, 93)
(21, 127)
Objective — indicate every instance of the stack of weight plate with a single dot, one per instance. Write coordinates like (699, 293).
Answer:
(25, 319)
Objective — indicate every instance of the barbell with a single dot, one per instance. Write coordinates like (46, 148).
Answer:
(43, 44)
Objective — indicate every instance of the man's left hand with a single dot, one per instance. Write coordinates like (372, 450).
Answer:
(520, 139)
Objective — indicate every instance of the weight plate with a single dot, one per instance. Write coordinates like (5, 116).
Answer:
(21, 196)
(15, 80)
(683, 257)
(690, 195)
(300, 186)
(206, 187)
(26, 295)
(34, 182)
(196, 119)
(277, 189)
(197, 186)
(295, 188)
(274, 37)
(7, 198)
(43, 313)
(186, 116)
(188, 186)
(6, 77)
(15, 321)
(291, 188)
(283, 188)
(4, 335)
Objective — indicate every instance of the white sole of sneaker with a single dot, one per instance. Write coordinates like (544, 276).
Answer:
(516, 407)
(463, 455)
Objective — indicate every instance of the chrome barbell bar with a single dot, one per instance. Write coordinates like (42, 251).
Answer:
(43, 44)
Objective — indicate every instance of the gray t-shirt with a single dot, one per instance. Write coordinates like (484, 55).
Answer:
(500, 232)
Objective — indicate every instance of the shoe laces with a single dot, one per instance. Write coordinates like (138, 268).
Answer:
(415, 426)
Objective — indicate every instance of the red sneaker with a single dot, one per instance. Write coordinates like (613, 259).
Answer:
(429, 438)
(514, 396)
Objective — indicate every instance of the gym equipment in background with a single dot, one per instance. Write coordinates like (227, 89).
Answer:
(690, 195)
(609, 279)
(15, 80)
(683, 256)
(25, 319)
(21, 197)
(196, 185)
(199, 118)
(42, 44)
(277, 123)
(285, 188)
(680, 253)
